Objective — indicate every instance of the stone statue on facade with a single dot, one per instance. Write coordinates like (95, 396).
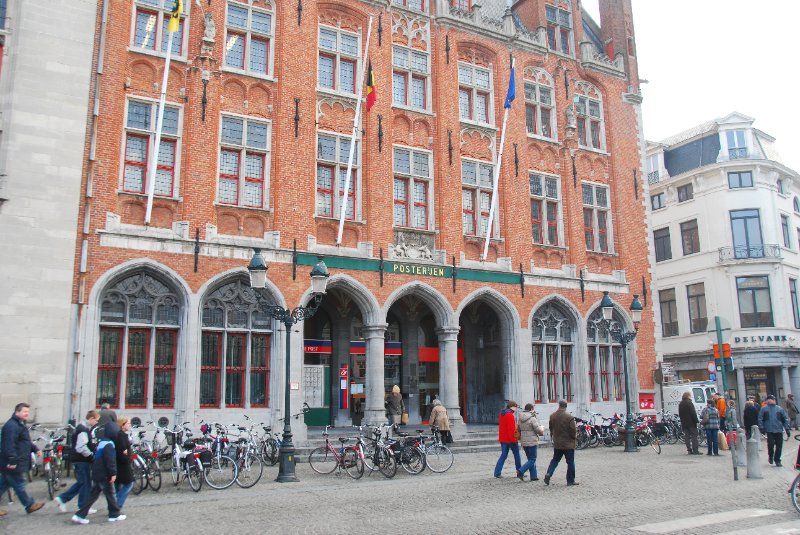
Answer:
(210, 32)
(570, 113)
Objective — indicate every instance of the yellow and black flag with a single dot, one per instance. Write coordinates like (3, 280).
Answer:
(175, 16)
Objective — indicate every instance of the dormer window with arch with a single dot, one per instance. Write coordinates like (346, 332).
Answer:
(559, 29)
(539, 97)
(416, 5)
(589, 116)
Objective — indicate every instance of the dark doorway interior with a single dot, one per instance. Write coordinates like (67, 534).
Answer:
(481, 384)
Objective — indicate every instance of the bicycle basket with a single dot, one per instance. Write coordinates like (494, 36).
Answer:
(173, 438)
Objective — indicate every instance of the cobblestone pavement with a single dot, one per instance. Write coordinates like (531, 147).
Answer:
(617, 492)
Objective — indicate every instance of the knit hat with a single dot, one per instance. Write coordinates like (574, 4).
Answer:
(396, 389)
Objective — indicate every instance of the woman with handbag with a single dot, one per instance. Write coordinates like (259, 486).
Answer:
(508, 435)
(439, 419)
(395, 406)
(709, 419)
(529, 432)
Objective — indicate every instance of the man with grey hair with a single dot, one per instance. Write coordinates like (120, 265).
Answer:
(563, 433)
(107, 414)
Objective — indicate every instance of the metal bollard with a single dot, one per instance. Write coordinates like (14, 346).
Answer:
(741, 448)
(753, 462)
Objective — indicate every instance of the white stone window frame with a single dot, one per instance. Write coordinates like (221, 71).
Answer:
(243, 150)
(339, 164)
(736, 151)
(595, 209)
(558, 26)
(338, 58)
(162, 8)
(409, 74)
(615, 382)
(544, 199)
(476, 189)
(177, 139)
(589, 93)
(539, 78)
(250, 34)
(547, 317)
(474, 90)
(411, 179)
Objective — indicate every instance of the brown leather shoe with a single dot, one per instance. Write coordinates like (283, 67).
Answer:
(2, 514)
(35, 507)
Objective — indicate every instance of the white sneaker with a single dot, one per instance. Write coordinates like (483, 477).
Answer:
(117, 518)
(92, 511)
(79, 520)
(61, 505)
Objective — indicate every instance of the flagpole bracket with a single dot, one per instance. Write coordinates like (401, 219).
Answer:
(299, 11)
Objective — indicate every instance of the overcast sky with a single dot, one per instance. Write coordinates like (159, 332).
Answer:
(706, 58)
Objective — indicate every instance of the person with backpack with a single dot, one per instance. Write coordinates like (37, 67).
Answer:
(772, 420)
(104, 474)
(81, 457)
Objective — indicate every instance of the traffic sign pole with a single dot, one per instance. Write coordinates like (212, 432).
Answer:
(732, 425)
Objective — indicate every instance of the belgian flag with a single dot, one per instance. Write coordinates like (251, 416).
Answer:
(371, 95)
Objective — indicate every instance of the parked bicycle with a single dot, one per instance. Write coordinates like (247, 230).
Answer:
(326, 459)
(186, 463)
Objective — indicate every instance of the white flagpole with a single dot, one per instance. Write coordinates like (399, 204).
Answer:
(343, 205)
(496, 180)
(151, 171)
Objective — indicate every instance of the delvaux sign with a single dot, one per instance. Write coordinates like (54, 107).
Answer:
(748, 340)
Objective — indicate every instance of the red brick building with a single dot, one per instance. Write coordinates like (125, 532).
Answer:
(260, 107)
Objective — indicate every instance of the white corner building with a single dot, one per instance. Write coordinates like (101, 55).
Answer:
(725, 216)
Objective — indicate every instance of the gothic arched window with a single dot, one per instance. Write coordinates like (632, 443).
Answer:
(235, 347)
(605, 358)
(140, 318)
(552, 336)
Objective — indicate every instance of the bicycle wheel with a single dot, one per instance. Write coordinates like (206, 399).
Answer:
(655, 444)
(153, 475)
(439, 458)
(175, 471)
(50, 484)
(582, 439)
(387, 464)
(353, 463)
(194, 473)
(371, 459)
(250, 469)
(793, 491)
(221, 473)
(412, 460)
(269, 452)
(139, 477)
(322, 461)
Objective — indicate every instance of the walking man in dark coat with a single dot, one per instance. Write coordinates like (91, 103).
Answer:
(15, 457)
(689, 421)
(563, 433)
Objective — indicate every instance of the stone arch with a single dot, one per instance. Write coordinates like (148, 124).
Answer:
(421, 132)
(440, 307)
(401, 128)
(341, 15)
(475, 53)
(550, 158)
(240, 272)
(563, 303)
(361, 295)
(234, 94)
(117, 273)
(502, 306)
(143, 74)
(259, 98)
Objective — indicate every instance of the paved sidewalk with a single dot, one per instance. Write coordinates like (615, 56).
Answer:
(674, 492)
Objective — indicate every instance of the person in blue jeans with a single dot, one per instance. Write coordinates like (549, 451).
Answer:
(15, 457)
(709, 419)
(563, 432)
(507, 436)
(529, 432)
(81, 458)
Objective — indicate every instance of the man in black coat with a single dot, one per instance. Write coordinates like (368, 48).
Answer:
(15, 457)
(688, 416)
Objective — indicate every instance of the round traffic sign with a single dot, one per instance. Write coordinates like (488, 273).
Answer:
(711, 367)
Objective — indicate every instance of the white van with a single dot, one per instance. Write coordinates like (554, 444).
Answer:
(701, 393)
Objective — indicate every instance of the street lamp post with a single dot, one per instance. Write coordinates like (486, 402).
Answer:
(258, 280)
(618, 334)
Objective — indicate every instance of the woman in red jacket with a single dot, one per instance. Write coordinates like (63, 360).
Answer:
(508, 438)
